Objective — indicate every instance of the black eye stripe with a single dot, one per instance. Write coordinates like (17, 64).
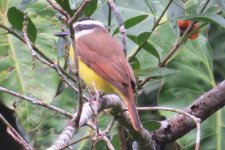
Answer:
(81, 27)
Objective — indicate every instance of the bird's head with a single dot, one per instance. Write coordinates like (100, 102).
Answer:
(84, 26)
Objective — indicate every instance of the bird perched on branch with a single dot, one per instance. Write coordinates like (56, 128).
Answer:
(103, 64)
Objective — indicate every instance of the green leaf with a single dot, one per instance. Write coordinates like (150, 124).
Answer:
(16, 18)
(151, 49)
(6, 63)
(16, 62)
(135, 64)
(194, 63)
(132, 37)
(116, 141)
(66, 100)
(131, 22)
(143, 37)
(101, 145)
(207, 17)
(141, 40)
(90, 8)
(17, 74)
(151, 6)
(151, 125)
(155, 72)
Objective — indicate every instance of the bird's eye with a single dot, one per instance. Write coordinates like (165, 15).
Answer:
(78, 27)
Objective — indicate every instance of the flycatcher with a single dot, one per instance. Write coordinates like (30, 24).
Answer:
(103, 64)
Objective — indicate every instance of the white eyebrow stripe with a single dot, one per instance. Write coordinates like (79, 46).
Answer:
(86, 22)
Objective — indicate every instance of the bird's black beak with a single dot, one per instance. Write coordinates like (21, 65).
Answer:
(62, 34)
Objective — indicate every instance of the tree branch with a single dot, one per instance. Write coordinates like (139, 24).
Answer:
(79, 140)
(37, 50)
(78, 11)
(120, 25)
(153, 29)
(109, 101)
(175, 127)
(202, 108)
(36, 102)
(196, 120)
(175, 47)
(58, 8)
(15, 135)
(75, 49)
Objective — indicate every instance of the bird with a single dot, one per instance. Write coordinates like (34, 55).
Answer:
(103, 64)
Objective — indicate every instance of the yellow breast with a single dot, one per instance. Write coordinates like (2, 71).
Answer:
(92, 79)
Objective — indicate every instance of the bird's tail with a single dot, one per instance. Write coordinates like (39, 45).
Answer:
(135, 120)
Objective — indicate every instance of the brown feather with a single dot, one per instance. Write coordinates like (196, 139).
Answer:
(103, 54)
(110, 63)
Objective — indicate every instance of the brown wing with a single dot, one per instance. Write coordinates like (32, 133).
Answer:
(110, 63)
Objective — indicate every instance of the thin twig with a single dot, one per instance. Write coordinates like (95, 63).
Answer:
(100, 136)
(93, 106)
(107, 142)
(78, 11)
(195, 119)
(109, 17)
(37, 50)
(36, 102)
(153, 29)
(177, 126)
(57, 7)
(73, 125)
(77, 141)
(87, 113)
(109, 127)
(15, 134)
(68, 82)
(26, 39)
(120, 24)
(172, 51)
(180, 41)
(34, 55)
(176, 46)
(75, 49)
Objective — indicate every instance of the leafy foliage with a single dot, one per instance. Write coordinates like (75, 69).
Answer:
(196, 68)
(18, 22)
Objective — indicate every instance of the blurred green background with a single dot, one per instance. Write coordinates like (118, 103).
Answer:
(196, 68)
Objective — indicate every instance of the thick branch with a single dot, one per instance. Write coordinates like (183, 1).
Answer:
(175, 128)
(202, 108)
(110, 101)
